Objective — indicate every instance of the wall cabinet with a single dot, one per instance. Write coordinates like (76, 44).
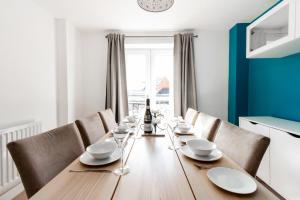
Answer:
(276, 33)
(280, 167)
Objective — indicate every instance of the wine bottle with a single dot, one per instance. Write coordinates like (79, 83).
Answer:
(148, 118)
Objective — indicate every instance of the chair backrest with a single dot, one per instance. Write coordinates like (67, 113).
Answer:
(191, 116)
(40, 158)
(244, 147)
(108, 119)
(207, 126)
(91, 129)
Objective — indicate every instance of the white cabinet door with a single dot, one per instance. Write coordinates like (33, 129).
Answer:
(297, 19)
(264, 168)
(285, 164)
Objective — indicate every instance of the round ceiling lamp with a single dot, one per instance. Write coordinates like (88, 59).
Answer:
(155, 5)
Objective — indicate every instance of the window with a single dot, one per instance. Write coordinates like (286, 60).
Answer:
(150, 73)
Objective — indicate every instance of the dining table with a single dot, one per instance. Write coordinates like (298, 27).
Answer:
(156, 172)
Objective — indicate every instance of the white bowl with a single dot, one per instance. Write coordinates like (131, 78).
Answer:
(102, 150)
(184, 128)
(131, 119)
(122, 128)
(201, 147)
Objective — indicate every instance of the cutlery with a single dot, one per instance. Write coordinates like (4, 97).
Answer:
(91, 170)
(203, 166)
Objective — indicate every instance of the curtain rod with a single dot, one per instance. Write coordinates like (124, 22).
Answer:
(151, 36)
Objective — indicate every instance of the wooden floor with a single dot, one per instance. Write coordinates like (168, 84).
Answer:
(21, 196)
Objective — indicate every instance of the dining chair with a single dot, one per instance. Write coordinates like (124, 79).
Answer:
(41, 157)
(244, 147)
(206, 126)
(191, 116)
(91, 129)
(108, 119)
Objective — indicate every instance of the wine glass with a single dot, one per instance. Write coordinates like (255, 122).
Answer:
(137, 130)
(173, 146)
(119, 137)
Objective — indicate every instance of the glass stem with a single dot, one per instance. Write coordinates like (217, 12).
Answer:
(122, 167)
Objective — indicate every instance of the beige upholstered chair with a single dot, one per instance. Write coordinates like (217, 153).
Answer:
(91, 129)
(244, 147)
(206, 126)
(191, 116)
(40, 158)
(108, 119)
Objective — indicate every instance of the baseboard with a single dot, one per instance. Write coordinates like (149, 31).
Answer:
(12, 193)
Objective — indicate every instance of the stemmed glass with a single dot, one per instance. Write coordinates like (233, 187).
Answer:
(173, 146)
(119, 137)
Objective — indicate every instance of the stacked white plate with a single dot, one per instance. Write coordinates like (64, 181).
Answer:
(101, 153)
(215, 155)
(201, 150)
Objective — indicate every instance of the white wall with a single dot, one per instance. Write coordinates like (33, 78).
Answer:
(90, 78)
(211, 57)
(27, 64)
(74, 48)
(68, 68)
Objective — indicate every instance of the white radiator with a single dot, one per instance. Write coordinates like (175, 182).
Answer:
(9, 176)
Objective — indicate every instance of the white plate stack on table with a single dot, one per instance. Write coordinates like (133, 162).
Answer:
(201, 150)
(108, 151)
(131, 122)
(101, 153)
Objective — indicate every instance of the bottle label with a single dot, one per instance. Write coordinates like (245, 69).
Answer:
(147, 127)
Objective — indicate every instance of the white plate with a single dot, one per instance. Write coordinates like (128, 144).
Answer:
(87, 159)
(215, 155)
(185, 138)
(232, 180)
(190, 132)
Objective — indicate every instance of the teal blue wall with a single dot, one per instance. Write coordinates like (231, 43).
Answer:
(238, 74)
(274, 87)
(261, 87)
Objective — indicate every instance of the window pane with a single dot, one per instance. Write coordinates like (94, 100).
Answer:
(136, 66)
(150, 73)
(162, 63)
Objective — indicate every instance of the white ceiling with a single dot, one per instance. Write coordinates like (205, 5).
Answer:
(127, 15)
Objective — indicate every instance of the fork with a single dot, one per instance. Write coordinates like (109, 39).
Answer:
(202, 166)
(91, 170)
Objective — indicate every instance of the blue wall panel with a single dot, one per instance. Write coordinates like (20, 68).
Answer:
(274, 87)
(238, 74)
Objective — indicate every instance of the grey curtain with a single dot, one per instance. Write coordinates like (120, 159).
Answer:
(184, 74)
(116, 85)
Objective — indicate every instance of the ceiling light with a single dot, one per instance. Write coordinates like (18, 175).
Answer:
(155, 5)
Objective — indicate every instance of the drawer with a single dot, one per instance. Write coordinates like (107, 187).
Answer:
(285, 164)
(254, 127)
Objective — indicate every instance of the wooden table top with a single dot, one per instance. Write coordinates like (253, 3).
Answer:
(155, 173)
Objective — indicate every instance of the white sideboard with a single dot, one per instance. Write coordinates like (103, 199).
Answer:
(280, 167)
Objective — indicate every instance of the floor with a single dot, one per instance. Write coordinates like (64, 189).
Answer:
(21, 196)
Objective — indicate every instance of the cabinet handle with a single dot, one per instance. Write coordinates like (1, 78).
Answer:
(293, 135)
(254, 123)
